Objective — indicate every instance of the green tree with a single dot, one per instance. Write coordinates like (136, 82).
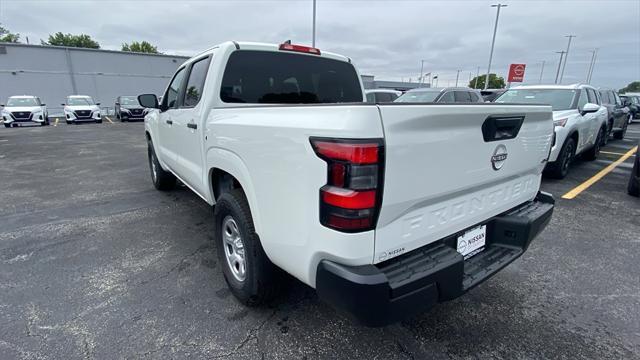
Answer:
(495, 82)
(141, 47)
(632, 87)
(80, 41)
(7, 36)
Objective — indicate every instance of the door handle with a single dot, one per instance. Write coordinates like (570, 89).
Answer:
(170, 122)
(192, 126)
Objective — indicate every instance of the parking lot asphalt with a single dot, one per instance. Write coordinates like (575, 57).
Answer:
(95, 263)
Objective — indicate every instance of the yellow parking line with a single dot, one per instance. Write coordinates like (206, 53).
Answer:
(611, 153)
(56, 122)
(585, 185)
(109, 120)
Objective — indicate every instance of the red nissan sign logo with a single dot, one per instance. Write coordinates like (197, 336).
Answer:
(516, 72)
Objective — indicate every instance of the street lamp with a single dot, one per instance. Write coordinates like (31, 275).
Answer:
(541, 72)
(566, 56)
(493, 42)
(313, 37)
(457, 76)
(421, 70)
(592, 65)
(559, 64)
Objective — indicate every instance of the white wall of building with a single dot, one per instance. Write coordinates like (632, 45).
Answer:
(53, 72)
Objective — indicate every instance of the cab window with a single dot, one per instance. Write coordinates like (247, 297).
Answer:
(447, 98)
(582, 100)
(195, 84)
(462, 96)
(171, 98)
(593, 98)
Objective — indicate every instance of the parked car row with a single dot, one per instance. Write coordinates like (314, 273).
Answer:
(29, 110)
(584, 117)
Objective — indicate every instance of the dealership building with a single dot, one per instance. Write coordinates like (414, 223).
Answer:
(54, 72)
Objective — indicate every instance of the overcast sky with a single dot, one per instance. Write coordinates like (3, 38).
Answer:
(384, 38)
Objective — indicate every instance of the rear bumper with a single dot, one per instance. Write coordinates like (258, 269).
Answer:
(377, 295)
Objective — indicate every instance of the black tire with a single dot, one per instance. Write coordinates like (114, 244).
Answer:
(608, 133)
(592, 153)
(162, 180)
(98, 121)
(261, 278)
(7, 125)
(619, 135)
(560, 168)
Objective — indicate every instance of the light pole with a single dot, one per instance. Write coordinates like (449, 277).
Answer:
(541, 72)
(493, 42)
(566, 56)
(421, 70)
(313, 38)
(593, 65)
(457, 76)
(559, 64)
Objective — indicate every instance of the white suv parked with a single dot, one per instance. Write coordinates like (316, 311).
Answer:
(579, 119)
(81, 108)
(26, 109)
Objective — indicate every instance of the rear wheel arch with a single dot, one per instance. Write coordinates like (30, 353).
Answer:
(226, 170)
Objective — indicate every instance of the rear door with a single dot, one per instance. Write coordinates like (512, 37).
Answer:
(443, 168)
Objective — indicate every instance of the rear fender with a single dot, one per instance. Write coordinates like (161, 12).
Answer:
(231, 163)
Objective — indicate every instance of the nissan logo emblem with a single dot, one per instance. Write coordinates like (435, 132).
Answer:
(499, 157)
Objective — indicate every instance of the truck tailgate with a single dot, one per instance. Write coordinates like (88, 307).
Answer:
(446, 168)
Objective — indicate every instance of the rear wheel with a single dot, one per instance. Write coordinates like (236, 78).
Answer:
(592, 153)
(560, 168)
(619, 135)
(162, 180)
(251, 277)
(7, 125)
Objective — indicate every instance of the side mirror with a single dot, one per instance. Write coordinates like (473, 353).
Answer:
(589, 108)
(148, 101)
(117, 103)
(63, 104)
(1, 105)
(98, 104)
(43, 104)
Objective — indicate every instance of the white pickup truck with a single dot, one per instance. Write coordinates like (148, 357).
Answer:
(385, 209)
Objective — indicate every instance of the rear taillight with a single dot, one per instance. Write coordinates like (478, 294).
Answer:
(350, 201)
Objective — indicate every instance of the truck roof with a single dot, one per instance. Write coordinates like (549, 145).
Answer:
(248, 45)
(22, 97)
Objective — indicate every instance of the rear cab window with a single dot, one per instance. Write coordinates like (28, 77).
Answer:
(195, 84)
(266, 77)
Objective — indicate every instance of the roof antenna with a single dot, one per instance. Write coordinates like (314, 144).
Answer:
(288, 42)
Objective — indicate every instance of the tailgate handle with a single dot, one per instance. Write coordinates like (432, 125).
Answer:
(501, 127)
(192, 126)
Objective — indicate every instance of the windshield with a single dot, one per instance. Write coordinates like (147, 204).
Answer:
(418, 96)
(129, 100)
(22, 102)
(559, 99)
(288, 78)
(79, 101)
